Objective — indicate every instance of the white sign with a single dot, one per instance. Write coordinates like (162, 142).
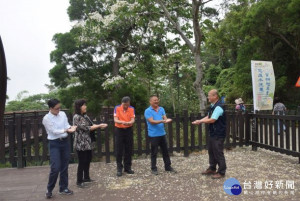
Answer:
(263, 83)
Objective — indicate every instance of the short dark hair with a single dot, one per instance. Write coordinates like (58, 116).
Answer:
(53, 102)
(153, 96)
(125, 99)
(277, 100)
(77, 105)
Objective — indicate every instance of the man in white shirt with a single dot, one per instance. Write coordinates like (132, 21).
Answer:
(57, 127)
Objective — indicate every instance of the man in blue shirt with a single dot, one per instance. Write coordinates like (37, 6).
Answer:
(216, 119)
(156, 118)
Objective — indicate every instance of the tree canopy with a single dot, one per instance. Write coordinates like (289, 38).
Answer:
(119, 48)
(258, 30)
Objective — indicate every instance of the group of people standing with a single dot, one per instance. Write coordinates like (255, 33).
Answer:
(58, 128)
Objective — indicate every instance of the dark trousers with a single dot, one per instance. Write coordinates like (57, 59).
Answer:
(59, 162)
(124, 143)
(83, 169)
(161, 142)
(216, 154)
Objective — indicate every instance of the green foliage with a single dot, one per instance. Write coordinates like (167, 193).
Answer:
(59, 75)
(211, 74)
(258, 30)
(121, 48)
(110, 35)
(34, 102)
(137, 93)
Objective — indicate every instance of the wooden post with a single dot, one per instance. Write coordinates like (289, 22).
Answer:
(170, 133)
(45, 144)
(271, 133)
(147, 138)
(36, 140)
(281, 132)
(107, 150)
(70, 139)
(247, 128)
(227, 138)
(139, 134)
(261, 130)
(206, 135)
(177, 133)
(287, 135)
(12, 143)
(19, 141)
(254, 131)
(233, 130)
(200, 144)
(192, 118)
(185, 133)
(294, 135)
(276, 130)
(98, 142)
(266, 122)
(28, 139)
(241, 129)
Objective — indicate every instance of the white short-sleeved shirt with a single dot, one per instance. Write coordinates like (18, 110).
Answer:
(56, 125)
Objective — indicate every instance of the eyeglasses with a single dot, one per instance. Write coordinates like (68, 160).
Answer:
(56, 108)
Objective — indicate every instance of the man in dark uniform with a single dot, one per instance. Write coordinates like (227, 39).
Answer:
(216, 119)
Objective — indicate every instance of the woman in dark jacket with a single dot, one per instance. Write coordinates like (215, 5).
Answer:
(82, 142)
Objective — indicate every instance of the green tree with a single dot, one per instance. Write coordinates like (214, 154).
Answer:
(29, 103)
(259, 30)
(188, 20)
(108, 35)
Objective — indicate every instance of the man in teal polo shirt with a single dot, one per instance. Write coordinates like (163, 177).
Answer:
(156, 118)
(216, 119)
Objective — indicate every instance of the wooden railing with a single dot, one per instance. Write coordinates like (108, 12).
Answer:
(278, 133)
(26, 138)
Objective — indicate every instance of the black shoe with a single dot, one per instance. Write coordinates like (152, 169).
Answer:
(88, 180)
(129, 171)
(170, 169)
(66, 192)
(48, 195)
(80, 184)
(154, 172)
(119, 173)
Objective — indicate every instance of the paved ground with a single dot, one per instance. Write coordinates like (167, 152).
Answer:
(188, 184)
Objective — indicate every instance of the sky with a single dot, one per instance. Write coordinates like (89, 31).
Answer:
(27, 28)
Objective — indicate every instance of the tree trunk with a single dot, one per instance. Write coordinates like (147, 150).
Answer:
(116, 63)
(196, 51)
(196, 48)
(198, 83)
(121, 49)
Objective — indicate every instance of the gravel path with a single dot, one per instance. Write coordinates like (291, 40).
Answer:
(188, 184)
